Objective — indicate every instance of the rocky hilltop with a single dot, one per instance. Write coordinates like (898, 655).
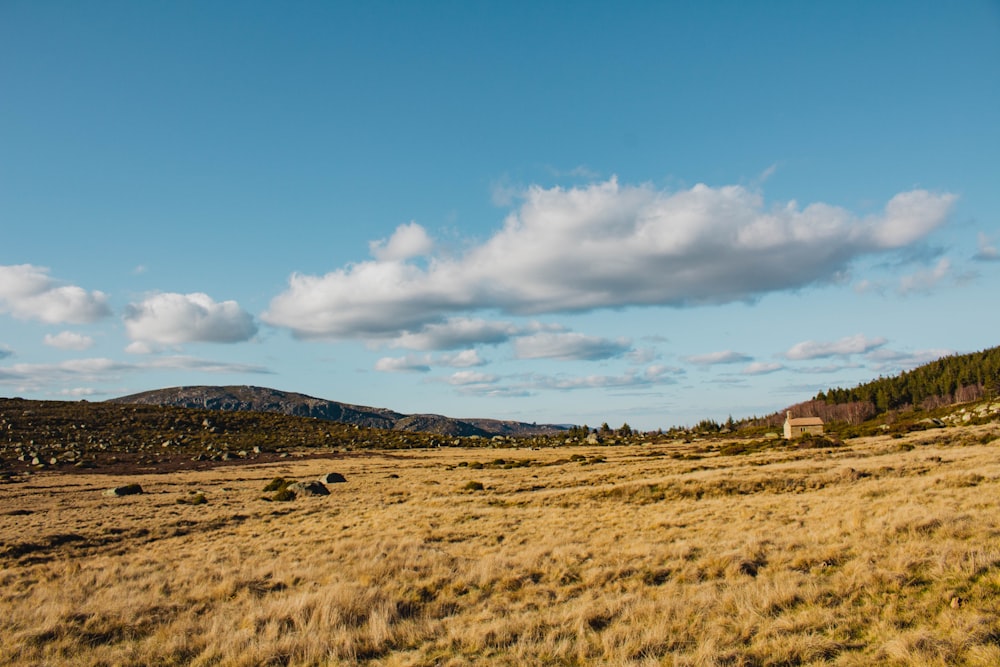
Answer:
(263, 399)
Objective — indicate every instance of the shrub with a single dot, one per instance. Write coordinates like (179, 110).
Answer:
(813, 441)
(277, 484)
(284, 494)
(743, 447)
(473, 486)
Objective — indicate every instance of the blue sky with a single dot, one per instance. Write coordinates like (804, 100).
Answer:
(553, 212)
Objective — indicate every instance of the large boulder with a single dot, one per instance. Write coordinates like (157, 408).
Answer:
(308, 489)
(127, 490)
(332, 478)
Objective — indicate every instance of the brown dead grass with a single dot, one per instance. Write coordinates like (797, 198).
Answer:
(871, 553)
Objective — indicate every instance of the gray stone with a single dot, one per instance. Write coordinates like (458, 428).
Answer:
(332, 478)
(309, 488)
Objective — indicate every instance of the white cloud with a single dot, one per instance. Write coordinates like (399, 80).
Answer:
(892, 361)
(569, 346)
(408, 364)
(139, 347)
(28, 292)
(422, 363)
(465, 378)
(77, 392)
(909, 217)
(828, 368)
(69, 340)
(456, 333)
(713, 358)
(172, 319)
(987, 250)
(463, 359)
(762, 368)
(93, 370)
(480, 384)
(5, 351)
(603, 246)
(656, 374)
(857, 344)
(925, 280)
(410, 240)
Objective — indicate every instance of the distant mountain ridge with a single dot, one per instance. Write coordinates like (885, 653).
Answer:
(243, 398)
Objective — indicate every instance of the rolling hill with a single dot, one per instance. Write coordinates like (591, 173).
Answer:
(263, 399)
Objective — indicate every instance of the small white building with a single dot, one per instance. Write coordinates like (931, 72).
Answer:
(798, 426)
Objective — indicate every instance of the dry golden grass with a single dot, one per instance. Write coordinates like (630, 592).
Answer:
(884, 551)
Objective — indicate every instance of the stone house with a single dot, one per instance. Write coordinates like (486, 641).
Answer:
(799, 426)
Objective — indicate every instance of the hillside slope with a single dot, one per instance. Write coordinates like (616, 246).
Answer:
(262, 399)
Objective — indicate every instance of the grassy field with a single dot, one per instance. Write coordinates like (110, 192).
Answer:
(881, 551)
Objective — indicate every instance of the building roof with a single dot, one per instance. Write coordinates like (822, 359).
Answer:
(804, 421)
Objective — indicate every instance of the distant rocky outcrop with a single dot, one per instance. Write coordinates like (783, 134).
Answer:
(262, 399)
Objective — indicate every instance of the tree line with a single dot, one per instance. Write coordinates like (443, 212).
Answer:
(946, 381)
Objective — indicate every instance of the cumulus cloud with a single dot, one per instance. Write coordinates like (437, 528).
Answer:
(987, 250)
(713, 358)
(69, 340)
(927, 279)
(909, 217)
(410, 240)
(857, 344)
(569, 346)
(172, 319)
(762, 368)
(604, 245)
(28, 292)
(456, 333)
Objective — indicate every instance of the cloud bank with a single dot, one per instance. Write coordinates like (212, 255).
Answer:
(172, 319)
(28, 292)
(713, 358)
(605, 245)
(569, 346)
(844, 347)
(100, 369)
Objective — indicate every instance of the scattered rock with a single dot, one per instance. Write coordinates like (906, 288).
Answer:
(127, 490)
(332, 478)
(193, 498)
(309, 488)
